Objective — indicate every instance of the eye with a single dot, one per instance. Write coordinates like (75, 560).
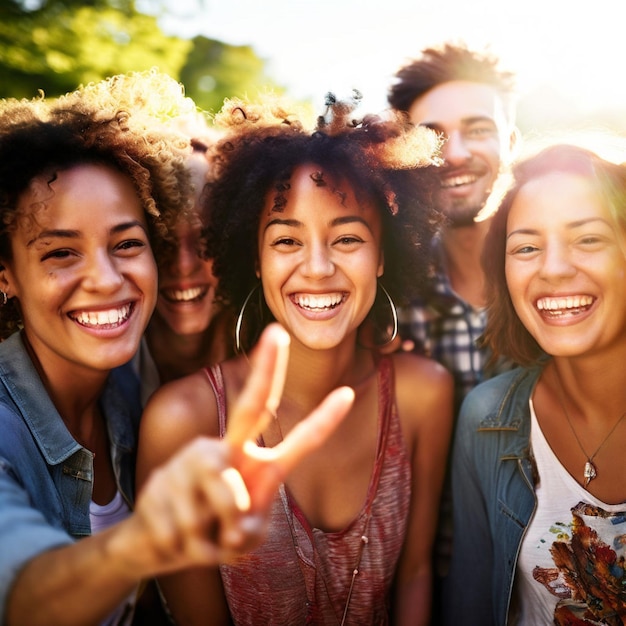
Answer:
(131, 245)
(522, 250)
(284, 241)
(481, 130)
(56, 254)
(349, 240)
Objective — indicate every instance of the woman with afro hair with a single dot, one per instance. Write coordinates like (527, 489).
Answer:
(321, 228)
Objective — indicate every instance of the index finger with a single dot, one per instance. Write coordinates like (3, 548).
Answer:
(263, 389)
(312, 432)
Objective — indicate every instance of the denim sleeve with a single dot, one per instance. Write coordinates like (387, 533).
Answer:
(24, 531)
(468, 594)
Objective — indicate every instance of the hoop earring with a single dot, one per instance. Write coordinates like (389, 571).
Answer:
(239, 322)
(5, 298)
(372, 327)
(394, 314)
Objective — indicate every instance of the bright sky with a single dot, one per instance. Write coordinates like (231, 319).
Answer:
(315, 46)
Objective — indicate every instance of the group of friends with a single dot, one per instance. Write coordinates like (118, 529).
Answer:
(261, 369)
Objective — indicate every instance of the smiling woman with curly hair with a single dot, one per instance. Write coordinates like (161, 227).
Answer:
(321, 228)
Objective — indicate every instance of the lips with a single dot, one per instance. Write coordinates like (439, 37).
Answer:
(190, 294)
(564, 305)
(318, 302)
(111, 318)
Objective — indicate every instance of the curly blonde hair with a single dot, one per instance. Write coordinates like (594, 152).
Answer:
(102, 123)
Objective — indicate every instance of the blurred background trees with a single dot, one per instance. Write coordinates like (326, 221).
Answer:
(55, 45)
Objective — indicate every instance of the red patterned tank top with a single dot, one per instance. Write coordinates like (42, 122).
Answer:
(302, 575)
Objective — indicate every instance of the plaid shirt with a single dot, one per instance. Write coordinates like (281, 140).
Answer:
(445, 327)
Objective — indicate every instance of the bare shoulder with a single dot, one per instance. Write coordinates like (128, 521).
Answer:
(182, 409)
(419, 374)
(424, 392)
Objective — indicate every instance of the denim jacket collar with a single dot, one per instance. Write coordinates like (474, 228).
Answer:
(24, 386)
(513, 412)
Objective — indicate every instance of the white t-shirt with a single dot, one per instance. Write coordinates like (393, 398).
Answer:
(103, 516)
(572, 562)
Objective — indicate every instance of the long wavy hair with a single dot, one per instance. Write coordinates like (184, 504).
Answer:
(504, 332)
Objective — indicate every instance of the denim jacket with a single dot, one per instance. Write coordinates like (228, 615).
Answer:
(493, 477)
(45, 475)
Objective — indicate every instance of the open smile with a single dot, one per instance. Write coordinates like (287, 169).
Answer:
(192, 294)
(111, 318)
(566, 305)
(318, 302)
(450, 182)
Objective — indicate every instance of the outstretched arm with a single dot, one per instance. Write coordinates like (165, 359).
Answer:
(204, 505)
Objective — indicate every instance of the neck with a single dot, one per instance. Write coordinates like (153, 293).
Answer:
(179, 355)
(74, 390)
(463, 248)
(595, 389)
(312, 374)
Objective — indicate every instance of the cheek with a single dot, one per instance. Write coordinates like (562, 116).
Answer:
(516, 284)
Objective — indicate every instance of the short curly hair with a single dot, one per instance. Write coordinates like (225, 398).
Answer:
(504, 332)
(386, 161)
(39, 138)
(450, 62)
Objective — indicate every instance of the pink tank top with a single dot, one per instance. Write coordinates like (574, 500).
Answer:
(302, 575)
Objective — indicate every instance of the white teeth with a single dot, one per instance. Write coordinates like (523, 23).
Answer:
(183, 295)
(102, 318)
(456, 181)
(327, 301)
(568, 303)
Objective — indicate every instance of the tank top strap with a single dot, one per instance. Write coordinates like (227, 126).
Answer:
(216, 380)
(386, 404)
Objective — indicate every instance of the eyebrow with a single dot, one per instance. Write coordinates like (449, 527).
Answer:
(466, 121)
(61, 233)
(575, 224)
(338, 221)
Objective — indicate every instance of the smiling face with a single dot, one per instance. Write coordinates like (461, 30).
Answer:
(82, 269)
(186, 283)
(319, 259)
(565, 265)
(472, 119)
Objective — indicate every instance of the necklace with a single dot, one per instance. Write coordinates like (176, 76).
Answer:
(363, 540)
(591, 471)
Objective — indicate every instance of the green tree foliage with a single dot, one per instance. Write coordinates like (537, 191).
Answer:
(60, 44)
(215, 71)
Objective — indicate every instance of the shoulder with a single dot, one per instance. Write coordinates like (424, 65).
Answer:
(420, 375)
(182, 409)
(498, 392)
(424, 392)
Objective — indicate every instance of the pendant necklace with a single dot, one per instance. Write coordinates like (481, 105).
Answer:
(590, 471)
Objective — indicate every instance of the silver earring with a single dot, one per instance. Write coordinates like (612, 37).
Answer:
(239, 321)
(373, 326)
(5, 298)
(394, 313)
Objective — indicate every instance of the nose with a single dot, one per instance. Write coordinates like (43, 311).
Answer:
(455, 151)
(186, 259)
(318, 262)
(103, 274)
(556, 262)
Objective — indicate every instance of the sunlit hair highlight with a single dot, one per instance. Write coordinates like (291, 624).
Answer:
(385, 160)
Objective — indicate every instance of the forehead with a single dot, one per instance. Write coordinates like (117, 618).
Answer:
(312, 192)
(559, 197)
(70, 194)
(450, 103)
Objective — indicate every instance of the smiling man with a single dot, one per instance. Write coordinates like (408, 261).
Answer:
(464, 96)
